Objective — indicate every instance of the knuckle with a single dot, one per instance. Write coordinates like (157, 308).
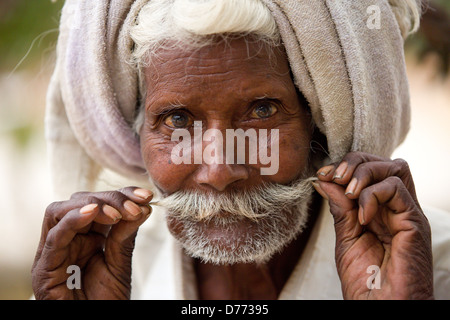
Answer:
(365, 194)
(357, 158)
(52, 238)
(127, 190)
(87, 197)
(357, 155)
(38, 282)
(363, 169)
(52, 208)
(401, 162)
(43, 288)
(54, 212)
(91, 198)
(115, 197)
(39, 287)
(402, 165)
(394, 180)
(352, 156)
(78, 195)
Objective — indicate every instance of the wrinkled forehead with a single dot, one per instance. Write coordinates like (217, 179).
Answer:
(239, 60)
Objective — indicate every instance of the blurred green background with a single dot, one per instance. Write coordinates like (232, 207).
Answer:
(23, 23)
(28, 34)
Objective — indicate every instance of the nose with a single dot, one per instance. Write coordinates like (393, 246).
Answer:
(220, 176)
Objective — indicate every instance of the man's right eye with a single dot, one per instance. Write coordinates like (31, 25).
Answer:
(178, 120)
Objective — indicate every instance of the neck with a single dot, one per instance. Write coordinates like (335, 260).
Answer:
(250, 280)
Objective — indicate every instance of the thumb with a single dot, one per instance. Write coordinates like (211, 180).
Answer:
(335, 194)
(343, 210)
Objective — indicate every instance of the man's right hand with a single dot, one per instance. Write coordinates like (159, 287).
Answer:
(95, 232)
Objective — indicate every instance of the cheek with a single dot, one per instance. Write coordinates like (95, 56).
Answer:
(294, 152)
(156, 152)
(293, 161)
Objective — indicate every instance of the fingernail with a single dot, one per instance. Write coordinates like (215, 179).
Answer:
(320, 190)
(142, 193)
(351, 186)
(145, 210)
(340, 171)
(362, 220)
(88, 208)
(111, 212)
(132, 208)
(325, 170)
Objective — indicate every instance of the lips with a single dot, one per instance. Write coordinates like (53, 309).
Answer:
(222, 227)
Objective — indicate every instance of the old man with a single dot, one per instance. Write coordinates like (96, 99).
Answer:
(261, 129)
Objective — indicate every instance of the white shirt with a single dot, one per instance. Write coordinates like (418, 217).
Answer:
(162, 271)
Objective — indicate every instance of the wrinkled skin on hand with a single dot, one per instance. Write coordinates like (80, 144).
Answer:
(378, 222)
(96, 232)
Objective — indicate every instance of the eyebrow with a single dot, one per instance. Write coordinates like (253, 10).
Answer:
(166, 108)
(162, 110)
(267, 97)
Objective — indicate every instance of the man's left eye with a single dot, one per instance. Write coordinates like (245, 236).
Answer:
(263, 111)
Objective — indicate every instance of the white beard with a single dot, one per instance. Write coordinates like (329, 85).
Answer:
(267, 219)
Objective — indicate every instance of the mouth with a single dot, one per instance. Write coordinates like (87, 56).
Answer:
(221, 218)
(223, 230)
(242, 227)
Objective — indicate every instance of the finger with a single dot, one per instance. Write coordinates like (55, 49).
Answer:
(370, 173)
(73, 222)
(60, 236)
(138, 195)
(345, 215)
(126, 201)
(55, 256)
(342, 171)
(335, 194)
(343, 209)
(106, 217)
(122, 231)
(113, 206)
(119, 206)
(119, 244)
(392, 194)
(56, 211)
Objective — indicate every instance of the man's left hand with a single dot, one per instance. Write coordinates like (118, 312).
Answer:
(379, 226)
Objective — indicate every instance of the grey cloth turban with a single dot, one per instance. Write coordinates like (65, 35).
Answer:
(353, 77)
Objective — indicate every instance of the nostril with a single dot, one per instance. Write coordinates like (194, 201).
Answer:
(220, 176)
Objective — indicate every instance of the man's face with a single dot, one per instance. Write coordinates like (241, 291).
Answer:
(227, 86)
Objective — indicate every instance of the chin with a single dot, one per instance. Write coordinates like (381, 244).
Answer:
(225, 239)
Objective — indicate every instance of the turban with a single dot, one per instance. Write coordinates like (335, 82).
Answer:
(352, 75)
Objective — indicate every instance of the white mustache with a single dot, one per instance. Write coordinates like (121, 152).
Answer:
(255, 204)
